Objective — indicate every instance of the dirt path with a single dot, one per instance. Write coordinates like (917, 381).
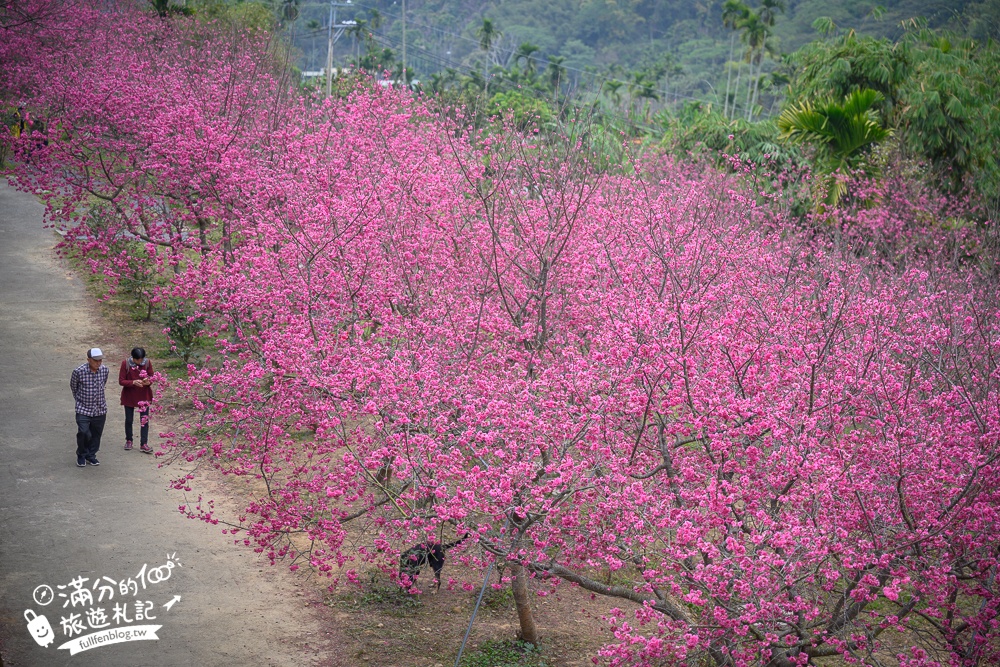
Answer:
(60, 523)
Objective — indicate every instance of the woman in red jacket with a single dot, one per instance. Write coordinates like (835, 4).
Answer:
(136, 379)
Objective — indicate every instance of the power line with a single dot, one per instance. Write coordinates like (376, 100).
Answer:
(386, 40)
(595, 78)
(464, 69)
(576, 70)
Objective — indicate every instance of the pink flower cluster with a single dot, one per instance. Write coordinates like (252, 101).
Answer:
(779, 451)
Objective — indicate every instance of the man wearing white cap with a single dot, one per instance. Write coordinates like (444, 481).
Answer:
(87, 383)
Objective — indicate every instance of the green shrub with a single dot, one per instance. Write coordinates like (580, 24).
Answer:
(504, 653)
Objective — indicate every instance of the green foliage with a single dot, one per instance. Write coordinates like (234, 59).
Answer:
(603, 142)
(165, 8)
(377, 60)
(11, 124)
(139, 283)
(700, 130)
(390, 596)
(387, 596)
(504, 653)
(184, 329)
(261, 15)
(499, 599)
(824, 25)
(949, 110)
(525, 110)
(252, 15)
(526, 53)
(555, 72)
(841, 133)
(835, 68)
(488, 34)
(600, 35)
(839, 130)
(939, 94)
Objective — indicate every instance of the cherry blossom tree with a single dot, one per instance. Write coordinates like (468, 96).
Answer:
(768, 448)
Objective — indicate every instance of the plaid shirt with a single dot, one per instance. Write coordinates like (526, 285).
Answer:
(88, 390)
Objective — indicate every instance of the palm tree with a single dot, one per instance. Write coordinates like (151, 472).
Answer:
(488, 35)
(841, 132)
(825, 26)
(556, 72)
(371, 46)
(289, 10)
(755, 34)
(611, 90)
(357, 31)
(769, 10)
(448, 79)
(642, 86)
(526, 52)
(733, 13)
(474, 82)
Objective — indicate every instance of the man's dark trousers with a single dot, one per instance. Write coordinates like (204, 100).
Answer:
(88, 434)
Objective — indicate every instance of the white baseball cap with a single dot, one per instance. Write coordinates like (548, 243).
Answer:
(95, 353)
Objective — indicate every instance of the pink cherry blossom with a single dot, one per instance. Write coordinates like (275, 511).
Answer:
(782, 441)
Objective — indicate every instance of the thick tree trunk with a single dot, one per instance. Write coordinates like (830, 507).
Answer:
(227, 243)
(203, 236)
(519, 586)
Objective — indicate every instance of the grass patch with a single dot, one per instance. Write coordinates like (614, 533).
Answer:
(504, 653)
(172, 366)
(385, 596)
(500, 599)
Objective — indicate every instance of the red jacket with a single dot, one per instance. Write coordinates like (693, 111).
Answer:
(132, 395)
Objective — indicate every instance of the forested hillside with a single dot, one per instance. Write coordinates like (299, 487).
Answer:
(688, 43)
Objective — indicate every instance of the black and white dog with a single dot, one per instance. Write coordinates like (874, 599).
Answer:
(414, 558)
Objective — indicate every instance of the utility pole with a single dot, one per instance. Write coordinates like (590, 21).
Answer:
(329, 51)
(333, 33)
(404, 43)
